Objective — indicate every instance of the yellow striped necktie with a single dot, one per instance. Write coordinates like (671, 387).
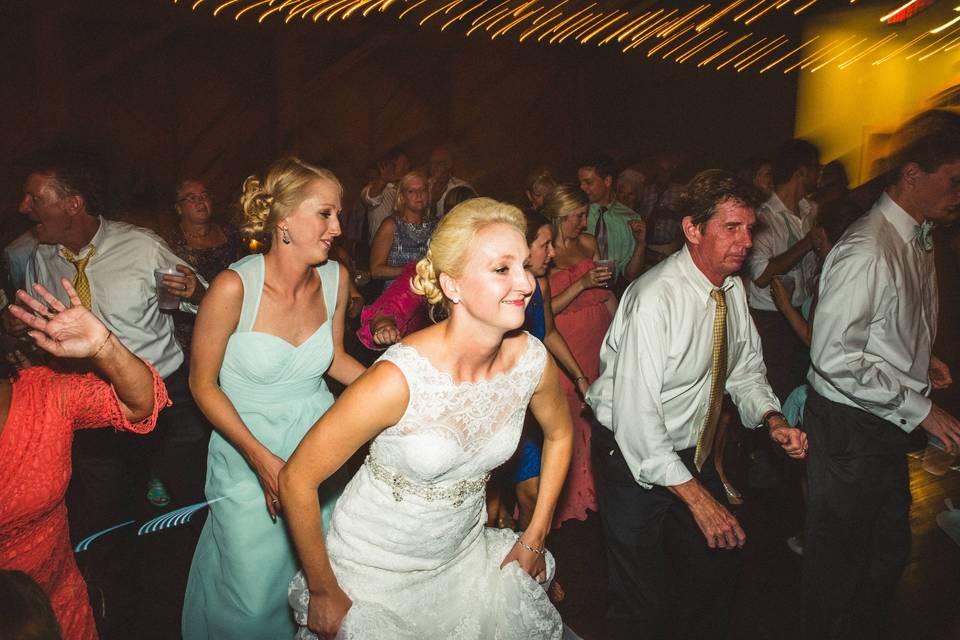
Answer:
(718, 379)
(80, 282)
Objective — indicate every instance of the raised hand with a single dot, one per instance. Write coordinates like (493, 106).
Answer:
(65, 332)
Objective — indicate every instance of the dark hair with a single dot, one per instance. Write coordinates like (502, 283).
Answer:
(711, 188)
(602, 164)
(75, 173)
(535, 220)
(930, 139)
(836, 215)
(25, 611)
(748, 168)
(393, 153)
(791, 156)
(457, 195)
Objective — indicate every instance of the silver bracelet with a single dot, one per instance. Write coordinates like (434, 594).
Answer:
(540, 552)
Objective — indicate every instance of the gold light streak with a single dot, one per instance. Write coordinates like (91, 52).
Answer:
(774, 44)
(656, 48)
(339, 6)
(825, 52)
(571, 29)
(897, 10)
(867, 51)
(411, 8)
(224, 5)
(623, 28)
(460, 16)
(934, 43)
(304, 9)
(629, 33)
(742, 52)
(560, 4)
(947, 24)
(763, 54)
(349, 12)
(800, 10)
(444, 9)
(753, 18)
(900, 50)
(812, 57)
(489, 11)
(503, 16)
(787, 55)
(673, 27)
(529, 32)
(279, 7)
(737, 17)
(651, 28)
(682, 58)
(606, 25)
(952, 44)
(516, 21)
(499, 13)
(945, 47)
(719, 14)
(845, 51)
(723, 50)
(251, 7)
(564, 22)
(195, 5)
(696, 34)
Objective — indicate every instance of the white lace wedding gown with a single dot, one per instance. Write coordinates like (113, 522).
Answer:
(407, 540)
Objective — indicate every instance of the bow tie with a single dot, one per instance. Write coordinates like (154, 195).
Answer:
(923, 235)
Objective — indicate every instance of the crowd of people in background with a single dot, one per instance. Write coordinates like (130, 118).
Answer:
(538, 366)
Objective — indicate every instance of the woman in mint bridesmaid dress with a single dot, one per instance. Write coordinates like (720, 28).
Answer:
(268, 330)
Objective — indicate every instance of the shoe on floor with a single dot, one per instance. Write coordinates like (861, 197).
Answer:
(157, 493)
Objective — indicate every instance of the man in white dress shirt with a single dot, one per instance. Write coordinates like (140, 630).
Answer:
(116, 261)
(785, 245)
(671, 544)
(442, 181)
(871, 374)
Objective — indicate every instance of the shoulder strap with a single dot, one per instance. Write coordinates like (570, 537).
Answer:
(330, 277)
(250, 270)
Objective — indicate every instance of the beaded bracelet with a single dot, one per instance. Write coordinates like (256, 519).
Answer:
(578, 378)
(540, 552)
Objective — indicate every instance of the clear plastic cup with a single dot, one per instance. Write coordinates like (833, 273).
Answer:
(611, 266)
(165, 299)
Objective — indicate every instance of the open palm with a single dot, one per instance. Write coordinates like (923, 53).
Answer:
(72, 332)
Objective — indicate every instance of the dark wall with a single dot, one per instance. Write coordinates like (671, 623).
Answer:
(164, 92)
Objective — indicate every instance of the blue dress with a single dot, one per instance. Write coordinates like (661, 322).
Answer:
(243, 563)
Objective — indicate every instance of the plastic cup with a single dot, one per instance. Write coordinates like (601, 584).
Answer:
(611, 266)
(166, 300)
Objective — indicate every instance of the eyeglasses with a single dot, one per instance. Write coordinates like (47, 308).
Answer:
(195, 198)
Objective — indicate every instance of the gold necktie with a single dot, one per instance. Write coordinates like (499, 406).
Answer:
(718, 378)
(80, 282)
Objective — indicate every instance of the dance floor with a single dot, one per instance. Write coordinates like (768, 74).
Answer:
(927, 608)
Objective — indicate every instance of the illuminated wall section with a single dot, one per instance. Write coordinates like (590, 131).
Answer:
(847, 111)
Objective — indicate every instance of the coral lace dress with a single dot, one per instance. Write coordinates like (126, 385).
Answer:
(583, 324)
(45, 409)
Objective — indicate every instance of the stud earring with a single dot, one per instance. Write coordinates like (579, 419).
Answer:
(455, 300)
(284, 236)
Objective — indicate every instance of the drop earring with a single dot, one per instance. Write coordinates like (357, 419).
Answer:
(284, 236)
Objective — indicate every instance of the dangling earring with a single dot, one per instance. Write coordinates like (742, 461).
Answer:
(284, 236)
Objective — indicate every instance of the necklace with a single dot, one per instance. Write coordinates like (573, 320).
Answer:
(195, 235)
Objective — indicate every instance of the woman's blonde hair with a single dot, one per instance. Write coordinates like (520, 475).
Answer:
(404, 182)
(266, 202)
(449, 246)
(562, 201)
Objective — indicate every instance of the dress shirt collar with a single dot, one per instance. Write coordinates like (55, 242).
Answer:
(775, 204)
(897, 216)
(696, 278)
(95, 241)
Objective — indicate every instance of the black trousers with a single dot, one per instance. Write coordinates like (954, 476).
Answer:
(858, 520)
(663, 579)
(784, 354)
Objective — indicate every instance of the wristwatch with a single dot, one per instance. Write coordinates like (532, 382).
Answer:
(769, 415)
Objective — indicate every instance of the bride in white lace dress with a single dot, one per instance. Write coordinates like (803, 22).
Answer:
(407, 555)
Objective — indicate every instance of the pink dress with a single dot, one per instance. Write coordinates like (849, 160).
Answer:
(583, 324)
(408, 310)
(45, 409)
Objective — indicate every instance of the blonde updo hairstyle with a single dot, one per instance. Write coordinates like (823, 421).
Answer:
(562, 201)
(449, 247)
(266, 202)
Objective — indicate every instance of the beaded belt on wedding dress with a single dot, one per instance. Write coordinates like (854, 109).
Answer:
(401, 485)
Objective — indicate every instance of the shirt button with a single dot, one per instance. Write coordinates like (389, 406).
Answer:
(902, 421)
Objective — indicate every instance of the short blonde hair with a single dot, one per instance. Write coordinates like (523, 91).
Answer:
(562, 201)
(449, 247)
(266, 202)
(404, 182)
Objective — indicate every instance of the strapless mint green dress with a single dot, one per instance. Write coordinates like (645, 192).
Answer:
(237, 587)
